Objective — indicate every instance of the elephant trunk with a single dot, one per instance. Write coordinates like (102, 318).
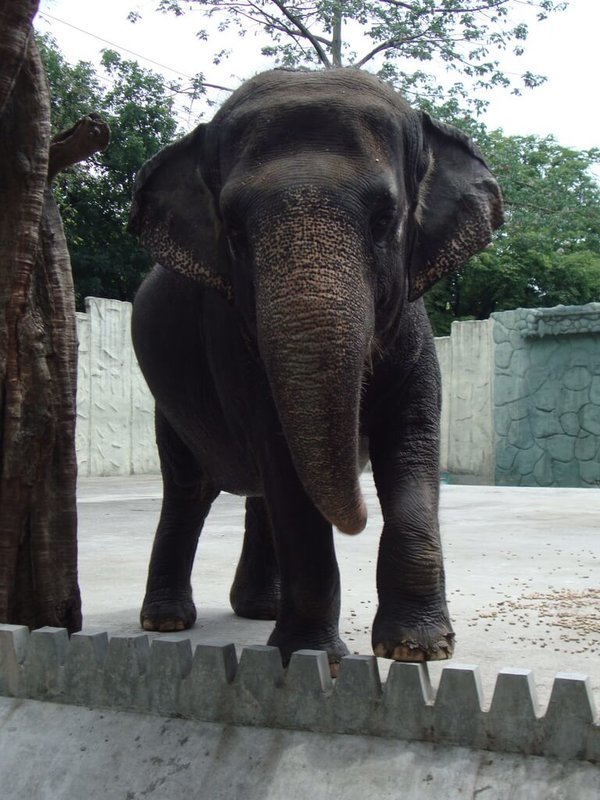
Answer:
(314, 321)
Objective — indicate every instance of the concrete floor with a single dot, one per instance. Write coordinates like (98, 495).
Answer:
(523, 569)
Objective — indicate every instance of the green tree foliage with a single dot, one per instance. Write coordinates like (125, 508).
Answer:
(401, 41)
(548, 252)
(94, 197)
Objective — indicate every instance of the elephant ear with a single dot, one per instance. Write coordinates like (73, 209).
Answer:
(459, 206)
(174, 217)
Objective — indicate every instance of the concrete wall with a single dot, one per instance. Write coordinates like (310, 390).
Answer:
(57, 752)
(115, 424)
(167, 678)
(547, 396)
(115, 411)
(520, 397)
(467, 434)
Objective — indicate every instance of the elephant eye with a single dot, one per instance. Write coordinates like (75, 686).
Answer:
(236, 240)
(383, 223)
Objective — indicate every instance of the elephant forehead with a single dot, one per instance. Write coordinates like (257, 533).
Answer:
(338, 122)
(350, 86)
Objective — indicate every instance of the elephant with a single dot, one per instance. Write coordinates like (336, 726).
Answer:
(283, 335)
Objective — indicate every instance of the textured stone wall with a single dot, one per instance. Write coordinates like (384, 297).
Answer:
(115, 411)
(209, 684)
(547, 396)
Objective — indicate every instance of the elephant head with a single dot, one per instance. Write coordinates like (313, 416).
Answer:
(318, 204)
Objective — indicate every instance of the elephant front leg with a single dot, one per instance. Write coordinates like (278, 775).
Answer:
(255, 591)
(412, 621)
(309, 607)
(187, 497)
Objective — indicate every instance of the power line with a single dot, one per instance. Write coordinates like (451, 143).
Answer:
(181, 113)
(131, 52)
(112, 44)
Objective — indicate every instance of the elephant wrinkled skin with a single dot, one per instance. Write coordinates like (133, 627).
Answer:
(285, 342)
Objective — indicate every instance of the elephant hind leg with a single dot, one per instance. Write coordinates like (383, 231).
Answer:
(255, 591)
(187, 497)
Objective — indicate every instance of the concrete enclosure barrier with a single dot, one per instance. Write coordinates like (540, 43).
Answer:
(168, 679)
(520, 397)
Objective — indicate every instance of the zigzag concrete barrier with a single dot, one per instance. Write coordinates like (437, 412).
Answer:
(166, 678)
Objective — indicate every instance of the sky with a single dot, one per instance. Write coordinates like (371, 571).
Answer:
(565, 48)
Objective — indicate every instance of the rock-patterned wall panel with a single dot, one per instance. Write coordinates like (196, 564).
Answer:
(547, 396)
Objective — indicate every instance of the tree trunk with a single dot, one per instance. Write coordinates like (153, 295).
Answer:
(38, 351)
(336, 38)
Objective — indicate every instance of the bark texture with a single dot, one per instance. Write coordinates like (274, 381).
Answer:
(38, 349)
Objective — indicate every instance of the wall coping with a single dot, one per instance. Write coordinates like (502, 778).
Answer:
(556, 321)
(167, 678)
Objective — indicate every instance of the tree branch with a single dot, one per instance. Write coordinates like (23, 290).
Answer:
(458, 10)
(305, 32)
(260, 16)
(216, 86)
(390, 44)
(88, 136)
(336, 39)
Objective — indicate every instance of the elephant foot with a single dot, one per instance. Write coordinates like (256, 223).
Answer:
(432, 641)
(288, 642)
(253, 605)
(166, 611)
